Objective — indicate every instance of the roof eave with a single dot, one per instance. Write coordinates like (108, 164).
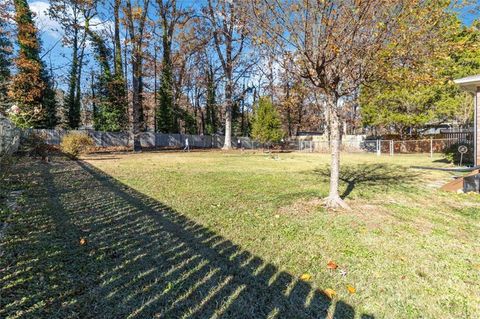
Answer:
(469, 84)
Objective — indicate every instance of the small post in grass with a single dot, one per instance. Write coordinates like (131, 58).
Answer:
(431, 147)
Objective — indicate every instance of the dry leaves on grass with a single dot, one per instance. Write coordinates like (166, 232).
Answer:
(351, 289)
(306, 277)
(332, 265)
(82, 241)
(330, 293)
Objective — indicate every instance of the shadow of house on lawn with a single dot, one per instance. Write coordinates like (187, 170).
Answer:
(142, 259)
(374, 175)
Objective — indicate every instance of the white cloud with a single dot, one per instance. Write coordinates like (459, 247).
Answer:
(43, 20)
(52, 28)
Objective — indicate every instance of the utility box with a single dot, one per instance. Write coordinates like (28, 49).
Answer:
(471, 183)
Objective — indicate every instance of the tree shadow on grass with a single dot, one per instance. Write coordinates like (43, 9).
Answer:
(370, 175)
(140, 259)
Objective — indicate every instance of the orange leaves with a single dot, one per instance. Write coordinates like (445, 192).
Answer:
(332, 265)
(137, 12)
(82, 241)
(351, 289)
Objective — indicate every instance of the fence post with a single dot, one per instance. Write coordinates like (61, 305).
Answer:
(391, 148)
(378, 148)
(431, 147)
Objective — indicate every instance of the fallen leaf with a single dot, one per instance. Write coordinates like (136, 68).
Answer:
(330, 293)
(306, 277)
(351, 289)
(332, 265)
(83, 241)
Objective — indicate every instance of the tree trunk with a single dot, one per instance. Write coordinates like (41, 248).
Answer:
(228, 114)
(136, 99)
(334, 200)
(118, 46)
(73, 113)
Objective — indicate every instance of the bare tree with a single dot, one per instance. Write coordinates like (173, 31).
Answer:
(229, 34)
(136, 23)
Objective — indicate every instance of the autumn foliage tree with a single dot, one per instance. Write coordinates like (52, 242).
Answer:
(335, 46)
(29, 89)
(412, 92)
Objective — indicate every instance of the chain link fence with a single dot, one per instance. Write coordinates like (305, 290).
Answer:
(309, 146)
(425, 146)
(384, 147)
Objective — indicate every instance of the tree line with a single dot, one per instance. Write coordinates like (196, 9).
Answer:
(202, 67)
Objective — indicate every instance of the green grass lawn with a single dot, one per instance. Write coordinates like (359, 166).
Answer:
(211, 234)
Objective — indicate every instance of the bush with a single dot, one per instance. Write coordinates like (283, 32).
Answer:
(453, 155)
(74, 144)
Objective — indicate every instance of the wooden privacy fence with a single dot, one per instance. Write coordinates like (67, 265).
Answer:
(147, 139)
(464, 135)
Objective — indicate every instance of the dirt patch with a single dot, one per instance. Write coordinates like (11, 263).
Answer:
(302, 207)
(370, 215)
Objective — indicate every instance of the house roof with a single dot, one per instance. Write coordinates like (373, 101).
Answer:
(470, 83)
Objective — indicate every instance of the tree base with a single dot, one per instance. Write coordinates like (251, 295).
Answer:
(335, 202)
(226, 148)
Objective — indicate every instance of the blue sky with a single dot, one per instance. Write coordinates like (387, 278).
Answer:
(58, 56)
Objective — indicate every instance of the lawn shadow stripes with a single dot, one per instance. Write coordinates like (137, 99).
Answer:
(145, 260)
